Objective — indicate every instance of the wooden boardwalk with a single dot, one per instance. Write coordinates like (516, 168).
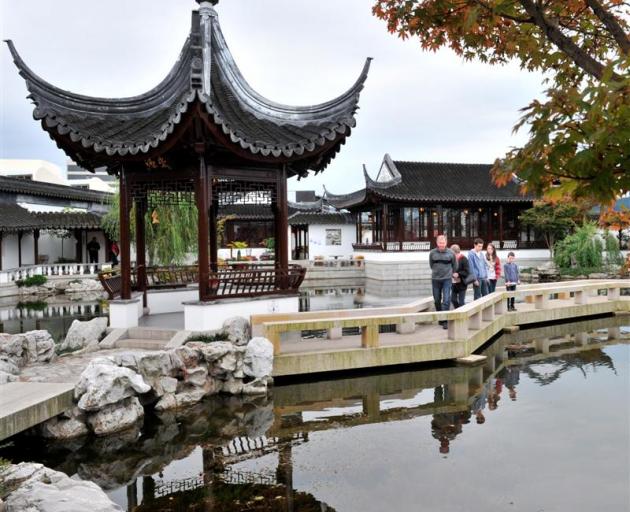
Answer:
(418, 337)
(26, 404)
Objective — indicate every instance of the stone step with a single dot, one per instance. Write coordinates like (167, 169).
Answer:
(146, 333)
(141, 343)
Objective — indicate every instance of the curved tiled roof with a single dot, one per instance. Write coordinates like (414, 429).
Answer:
(205, 72)
(321, 217)
(432, 182)
(14, 218)
(42, 189)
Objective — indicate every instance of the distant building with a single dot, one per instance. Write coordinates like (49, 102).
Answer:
(97, 180)
(34, 170)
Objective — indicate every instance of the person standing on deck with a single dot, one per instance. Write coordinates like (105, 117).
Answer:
(477, 263)
(93, 247)
(443, 268)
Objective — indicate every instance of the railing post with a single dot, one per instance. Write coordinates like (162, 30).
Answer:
(581, 297)
(369, 336)
(613, 293)
(474, 322)
(541, 301)
(334, 333)
(499, 307)
(487, 314)
(406, 328)
(458, 328)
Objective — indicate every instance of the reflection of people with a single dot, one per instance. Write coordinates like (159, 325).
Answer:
(495, 395)
(115, 253)
(443, 269)
(512, 377)
(480, 403)
(458, 296)
(93, 247)
(445, 427)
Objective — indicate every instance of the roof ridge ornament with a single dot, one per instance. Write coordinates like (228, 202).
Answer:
(207, 15)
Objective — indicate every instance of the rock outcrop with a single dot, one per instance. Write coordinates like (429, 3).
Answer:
(30, 347)
(84, 335)
(237, 329)
(36, 488)
(258, 359)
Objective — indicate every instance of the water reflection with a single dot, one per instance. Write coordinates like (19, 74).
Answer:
(283, 452)
(54, 314)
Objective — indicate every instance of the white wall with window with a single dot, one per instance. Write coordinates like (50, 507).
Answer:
(329, 240)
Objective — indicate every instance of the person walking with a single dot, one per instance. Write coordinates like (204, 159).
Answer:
(512, 278)
(443, 269)
(93, 247)
(460, 283)
(493, 264)
(479, 269)
(115, 253)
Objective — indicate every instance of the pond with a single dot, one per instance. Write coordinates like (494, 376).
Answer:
(543, 424)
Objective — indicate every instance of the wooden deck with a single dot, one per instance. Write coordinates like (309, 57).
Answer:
(418, 337)
(26, 404)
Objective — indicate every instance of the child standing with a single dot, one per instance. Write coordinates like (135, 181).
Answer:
(512, 278)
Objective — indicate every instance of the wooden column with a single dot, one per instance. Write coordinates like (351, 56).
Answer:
(203, 228)
(501, 225)
(214, 213)
(0, 250)
(281, 223)
(384, 225)
(20, 233)
(141, 251)
(35, 246)
(124, 242)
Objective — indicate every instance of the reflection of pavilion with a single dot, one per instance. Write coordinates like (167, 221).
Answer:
(204, 138)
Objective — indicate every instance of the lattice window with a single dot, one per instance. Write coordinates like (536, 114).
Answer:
(164, 192)
(229, 192)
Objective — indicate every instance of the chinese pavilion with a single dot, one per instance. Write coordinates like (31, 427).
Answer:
(409, 203)
(202, 133)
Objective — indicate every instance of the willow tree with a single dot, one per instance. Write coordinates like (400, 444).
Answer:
(171, 229)
(579, 135)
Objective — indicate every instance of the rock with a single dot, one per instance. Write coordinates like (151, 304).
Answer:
(216, 350)
(255, 387)
(7, 377)
(258, 360)
(598, 275)
(232, 386)
(27, 348)
(8, 366)
(116, 417)
(197, 376)
(84, 334)
(238, 330)
(68, 425)
(179, 400)
(103, 383)
(40, 489)
(189, 356)
(169, 384)
(83, 285)
(153, 366)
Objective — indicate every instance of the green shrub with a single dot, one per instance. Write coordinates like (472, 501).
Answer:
(209, 338)
(38, 305)
(583, 249)
(614, 255)
(36, 280)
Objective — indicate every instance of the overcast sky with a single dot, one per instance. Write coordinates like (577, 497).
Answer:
(415, 106)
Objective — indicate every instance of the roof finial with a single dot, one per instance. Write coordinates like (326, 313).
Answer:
(213, 2)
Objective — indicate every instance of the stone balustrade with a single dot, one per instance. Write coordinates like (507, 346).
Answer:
(56, 269)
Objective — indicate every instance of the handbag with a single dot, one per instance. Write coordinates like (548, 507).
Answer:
(470, 278)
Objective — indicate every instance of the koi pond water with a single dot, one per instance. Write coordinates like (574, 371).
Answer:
(542, 425)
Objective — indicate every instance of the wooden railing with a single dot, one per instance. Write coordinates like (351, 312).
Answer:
(252, 281)
(487, 313)
(410, 246)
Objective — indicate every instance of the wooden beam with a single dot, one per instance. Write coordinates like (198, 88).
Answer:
(141, 264)
(213, 214)
(281, 222)
(20, 233)
(0, 250)
(125, 241)
(35, 246)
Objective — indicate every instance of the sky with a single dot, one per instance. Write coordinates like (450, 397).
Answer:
(416, 105)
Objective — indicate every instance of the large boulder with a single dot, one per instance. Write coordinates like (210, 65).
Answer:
(258, 359)
(36, 488)
(238, 330)
(27, 348)
(103, 383)
(116, 417)
(84, 334)
(83, 285)
(67, 425)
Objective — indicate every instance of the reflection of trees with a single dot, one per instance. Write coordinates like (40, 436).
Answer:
(584, 360)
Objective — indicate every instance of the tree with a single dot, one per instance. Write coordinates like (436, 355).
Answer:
(579, 140)
(618, 220)
(553, 221)
(170, 229)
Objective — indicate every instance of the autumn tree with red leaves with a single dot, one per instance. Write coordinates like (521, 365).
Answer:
(579, 136)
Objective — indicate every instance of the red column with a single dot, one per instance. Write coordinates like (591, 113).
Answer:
(281, 222)
(35, 246)
(124, 242)
(141, 264)
(213, 214)
(203, 229)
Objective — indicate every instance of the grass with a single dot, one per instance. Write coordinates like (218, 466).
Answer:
(209, 338)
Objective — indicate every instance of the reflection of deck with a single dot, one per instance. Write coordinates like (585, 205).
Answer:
(418, 338)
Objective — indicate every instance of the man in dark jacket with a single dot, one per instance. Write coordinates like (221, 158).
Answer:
(458, 295)
(443, 269)
(93, 247)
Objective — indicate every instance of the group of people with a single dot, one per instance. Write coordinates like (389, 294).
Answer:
(452, 272)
